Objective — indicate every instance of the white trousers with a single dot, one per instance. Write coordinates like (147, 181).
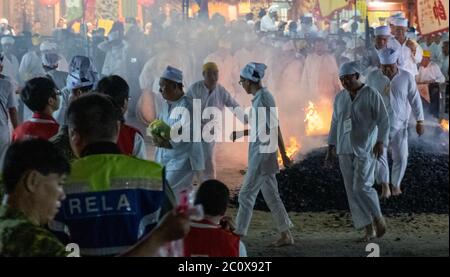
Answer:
(268, 185)
(179, 180)
(209, 153)
(398, 145)
(358, 175)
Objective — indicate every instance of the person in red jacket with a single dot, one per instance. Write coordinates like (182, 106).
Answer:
(130, 141)
(213, 236)
(41, 96)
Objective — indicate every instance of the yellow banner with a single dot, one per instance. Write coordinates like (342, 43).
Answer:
(105, 24)
(327, 7)
(361, 6)
(432, 16)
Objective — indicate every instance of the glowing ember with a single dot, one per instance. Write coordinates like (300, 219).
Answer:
(292, 149)
(318, 119)
(444, 124)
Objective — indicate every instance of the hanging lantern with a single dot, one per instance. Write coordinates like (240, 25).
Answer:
(48, 2)
(146, 3)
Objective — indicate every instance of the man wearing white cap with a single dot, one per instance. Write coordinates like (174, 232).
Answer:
(50, 64)
(269, 21)
(410, 53)
(5, 29)
(51, 47)
(399, 91)
(10, 62)
(8, 112)
(116, 49)
(262, 157)
(359, 130)
(181, 155)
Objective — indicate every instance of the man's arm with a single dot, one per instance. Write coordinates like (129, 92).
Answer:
(13, 117)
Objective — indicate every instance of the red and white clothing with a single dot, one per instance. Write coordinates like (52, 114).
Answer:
(206, 239)
(39, 126)
(131, 142)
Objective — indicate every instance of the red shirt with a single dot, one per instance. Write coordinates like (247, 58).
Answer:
(126, 138)
(208, 239)
(39, 126)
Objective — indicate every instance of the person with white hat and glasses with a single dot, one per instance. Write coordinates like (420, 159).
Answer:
(410, 52)
(269, 22)
(359, 131)
(400, 94)
(265, 136)
(10, 62)
(51, 47)
(50, 63)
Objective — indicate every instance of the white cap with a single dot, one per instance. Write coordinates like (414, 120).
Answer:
(48, 46)
(253, 71)
(394, 16)
(7, 40)
(349, 68)
(50, 60)
(400, 22)
(4, 21)
(273, 8)
(388, 56)
(173, 74)
(383, 31)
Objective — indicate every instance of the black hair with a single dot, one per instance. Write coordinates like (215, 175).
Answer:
(94, 116)
(37, 92)
(116, 87)
(32, 154)
(249, 16)
(173, 83)
(213, 195)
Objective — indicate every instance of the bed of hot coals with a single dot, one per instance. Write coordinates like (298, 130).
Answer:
(308, 186)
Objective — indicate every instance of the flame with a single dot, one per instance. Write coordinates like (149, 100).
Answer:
(291, 149)
(444, 124)
(318, 118)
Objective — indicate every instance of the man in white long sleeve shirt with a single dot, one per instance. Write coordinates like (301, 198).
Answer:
(410, 52)
(181, 157)
(399, 91)
(359, 131)
(269, 21)
(211, 94)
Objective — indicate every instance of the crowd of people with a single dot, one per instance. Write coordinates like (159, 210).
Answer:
(74, 143)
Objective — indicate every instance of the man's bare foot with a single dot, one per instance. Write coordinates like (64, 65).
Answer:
(396, 191)
(285, 239)
(385, 191)
(369, 235)
(380, 226)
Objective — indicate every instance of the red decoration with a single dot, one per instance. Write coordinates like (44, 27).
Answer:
(146, 3)
(48, 2)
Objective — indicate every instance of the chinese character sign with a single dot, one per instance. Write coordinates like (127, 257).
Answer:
(432, 16)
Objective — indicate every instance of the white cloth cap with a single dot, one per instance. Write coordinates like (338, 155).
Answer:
(273, 8)
(253, 71)
(394, 16)
(383, 31)
(349, 68)
(50, 60)
(48, 46)
(7, 40)
(388, 56)
(82, 73)
(400, 22)
(173, 74)
(4, 21)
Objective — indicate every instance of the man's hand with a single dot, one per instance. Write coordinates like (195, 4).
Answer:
(173, 226)
(420, 128)
(330, 157)
(236, 135)
(160, 142)
(286, 160)
(411, 45)
(378, 149)
(227, 223)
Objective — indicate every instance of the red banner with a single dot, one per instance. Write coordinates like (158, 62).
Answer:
(432, 16)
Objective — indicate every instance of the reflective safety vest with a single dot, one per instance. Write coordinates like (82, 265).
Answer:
(111, 201)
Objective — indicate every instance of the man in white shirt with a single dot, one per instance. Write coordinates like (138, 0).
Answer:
(399, 91)
(410, 52)
(10, 62)
(269, 21)
(211, 94)
(359, 131)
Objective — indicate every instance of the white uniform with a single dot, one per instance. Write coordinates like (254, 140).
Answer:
(11, 67)
(262, 168)
(219, 98)
(7, 100)
(444, 66)
(59, 77)
(268, 24)
(430, 73)
(184, 158)
(355, 128)
(406, 60)
(400, 95)
(115, 59)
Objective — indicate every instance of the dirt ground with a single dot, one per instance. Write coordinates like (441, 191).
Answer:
(330, 234)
